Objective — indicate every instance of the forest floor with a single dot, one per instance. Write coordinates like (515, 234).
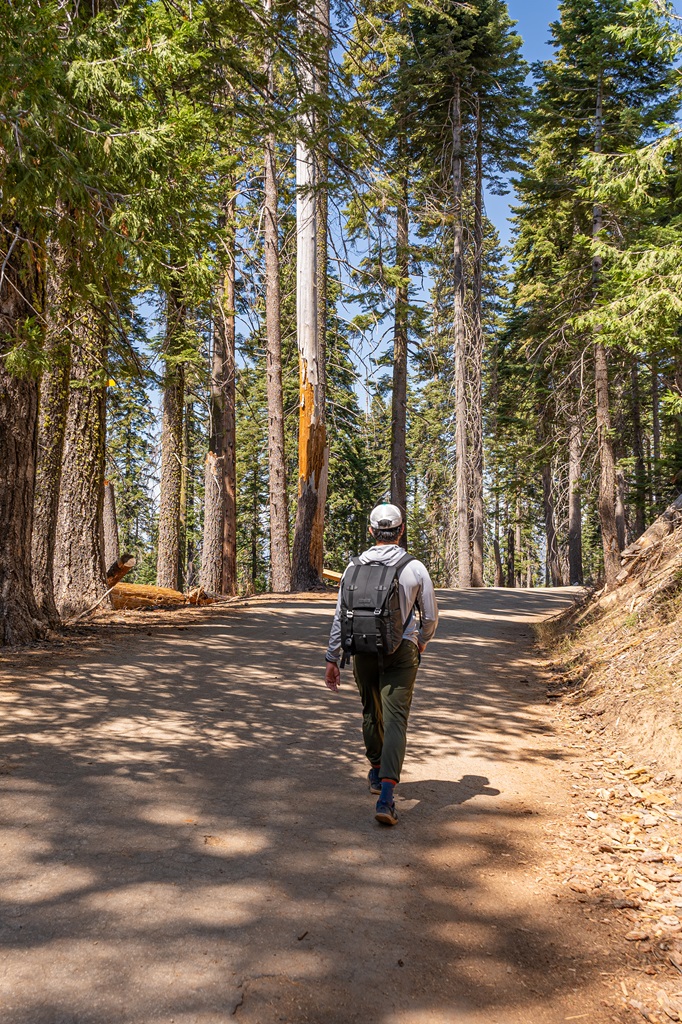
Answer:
(187, 835)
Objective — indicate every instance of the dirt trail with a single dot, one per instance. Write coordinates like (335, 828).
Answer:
(187, 836)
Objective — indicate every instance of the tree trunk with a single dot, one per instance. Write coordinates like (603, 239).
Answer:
(280, 561)
(476, 372)
(79, 570)
(313, 454)
(461, 459)
(184, 554)
(575, 529)
(171, 451)
(54, 399)
(621, 517)
(399, 394)
(638, 449)
(607, 463)
(111, 546)
(553, 565)
(511, 559)
(656, 433)
(499, 571)
(517, 544)
(219, 543)
(20, 621)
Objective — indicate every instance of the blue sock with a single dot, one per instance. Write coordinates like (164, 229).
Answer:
(386, 792)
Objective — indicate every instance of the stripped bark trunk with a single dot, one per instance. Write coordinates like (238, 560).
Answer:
(280, 561)
(399, 395)
(171, 451)
(638, 450)
(553, 564)
(476, 383)
(461, 459)
(79, 571)
(607, 462)
(575, 530)
(20, 286)
(111, 546)
(313, 453)
(321, 80)
(54, 399)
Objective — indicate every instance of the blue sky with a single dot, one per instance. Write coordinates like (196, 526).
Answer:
(533, 18)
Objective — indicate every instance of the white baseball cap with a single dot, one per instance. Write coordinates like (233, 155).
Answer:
(385, 517)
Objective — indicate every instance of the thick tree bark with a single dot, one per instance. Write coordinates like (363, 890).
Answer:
(399, 395)
(79, 571)
(476, 371)
(20, 621)
(607, 462)
(111, 546)
(518, 540)
(313, 453)
(54, 399)
(210, 577)
(280, 560)
(553, 565)
(461, 455)
(575, 529)
(171, 452)
(219, 549)
(638, 450)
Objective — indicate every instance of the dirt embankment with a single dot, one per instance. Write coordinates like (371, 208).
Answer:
(616, 677)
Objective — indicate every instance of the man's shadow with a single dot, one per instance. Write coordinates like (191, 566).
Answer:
(435, 794)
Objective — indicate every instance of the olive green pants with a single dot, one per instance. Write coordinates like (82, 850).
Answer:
(386, 698)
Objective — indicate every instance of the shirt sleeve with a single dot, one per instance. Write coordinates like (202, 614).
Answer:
(334, 648)
(428, 606)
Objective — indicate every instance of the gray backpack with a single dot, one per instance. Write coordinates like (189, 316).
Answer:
(371, 620)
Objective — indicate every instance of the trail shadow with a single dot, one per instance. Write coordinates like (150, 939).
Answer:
(187, 834)
(439, 793)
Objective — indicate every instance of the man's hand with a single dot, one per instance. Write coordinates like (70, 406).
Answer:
(421, 647)
(332, 677)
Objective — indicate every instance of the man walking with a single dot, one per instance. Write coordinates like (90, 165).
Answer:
(375, 623)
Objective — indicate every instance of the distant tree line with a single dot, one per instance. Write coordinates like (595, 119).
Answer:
(248, 288)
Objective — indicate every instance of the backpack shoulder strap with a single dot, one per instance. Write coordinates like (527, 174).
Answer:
(402, 562)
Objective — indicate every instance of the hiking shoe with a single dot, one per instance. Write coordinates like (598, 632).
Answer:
(386, 814)
(374, 781)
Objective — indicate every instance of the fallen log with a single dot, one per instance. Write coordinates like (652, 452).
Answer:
(127, 596)
(139, 595)
(119, 569)
(199, 596)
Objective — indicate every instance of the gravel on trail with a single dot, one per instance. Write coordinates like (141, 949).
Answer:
(187, 836)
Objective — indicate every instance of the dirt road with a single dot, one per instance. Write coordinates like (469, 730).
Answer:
(187, 837)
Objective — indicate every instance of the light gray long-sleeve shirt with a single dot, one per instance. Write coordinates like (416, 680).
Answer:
(416, 588)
